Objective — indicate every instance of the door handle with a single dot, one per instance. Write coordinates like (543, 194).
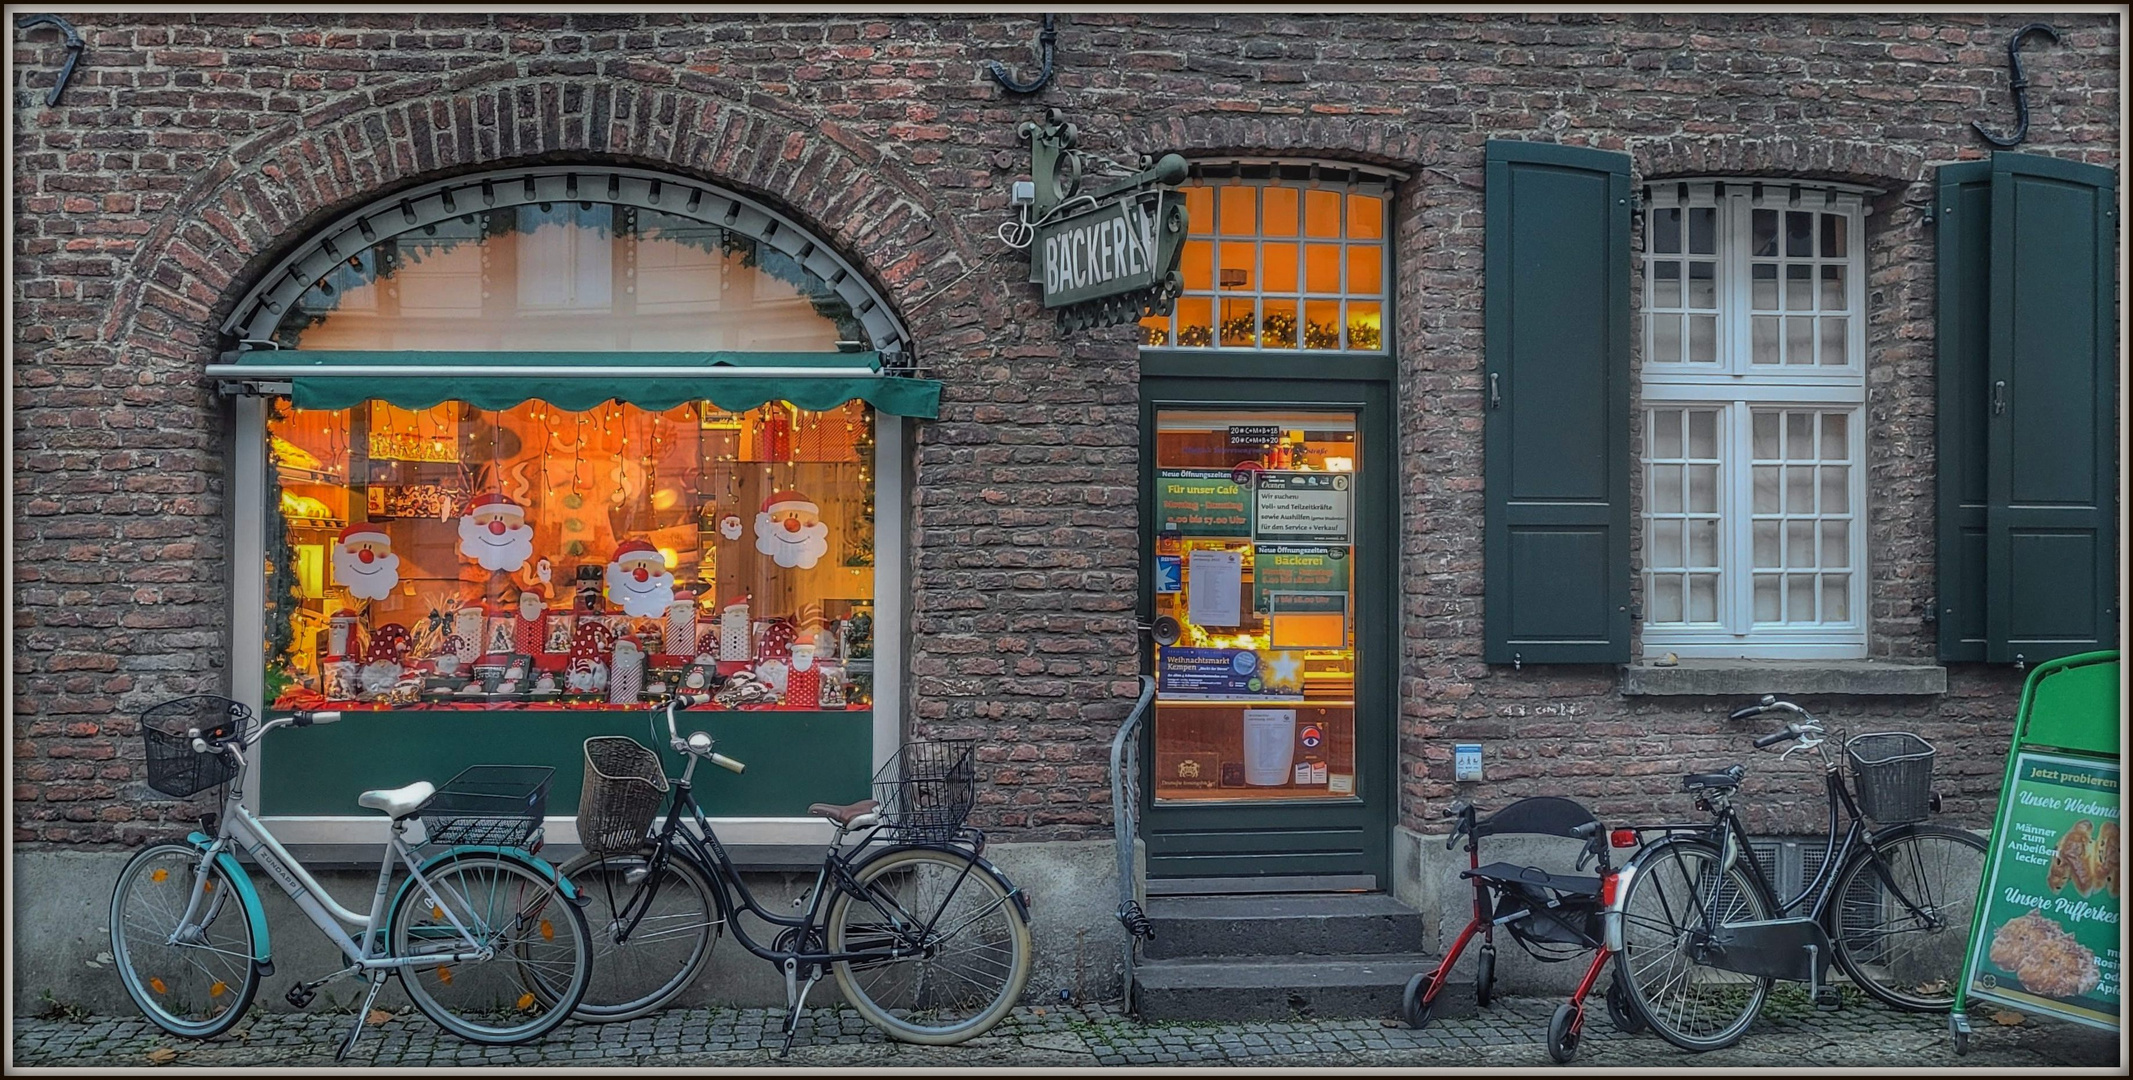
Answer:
(1999, 396)
(1495, 394)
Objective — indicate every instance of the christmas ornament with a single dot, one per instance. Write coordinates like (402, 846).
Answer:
(363, 560)
(803, 684)
(790, 530)
(494, 533)
(389, 642)
(529, 634)
(467, 626)
(736, 640)
(625, 673)
(744, 689)
(729, 526)
(638, 581)
(341, 632)
(681, 625)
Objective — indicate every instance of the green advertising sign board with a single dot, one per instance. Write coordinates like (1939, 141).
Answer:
(1201, 503)
(1279, 568)
(2048, 941)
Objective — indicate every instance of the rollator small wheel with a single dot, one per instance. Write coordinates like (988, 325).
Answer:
(1563, 1034)
(1413, 1006)
(1621, 1011)
(1485, 977)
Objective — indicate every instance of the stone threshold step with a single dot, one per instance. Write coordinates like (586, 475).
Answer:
(1317, 924)
(1275, 988)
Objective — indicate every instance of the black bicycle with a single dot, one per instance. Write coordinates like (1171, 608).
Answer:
(925, 938)
(1704, 935)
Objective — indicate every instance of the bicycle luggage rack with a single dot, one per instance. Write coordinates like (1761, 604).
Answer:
(488, 805)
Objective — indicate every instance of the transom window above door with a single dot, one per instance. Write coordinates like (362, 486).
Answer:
(1281, 257)
(1753, 424)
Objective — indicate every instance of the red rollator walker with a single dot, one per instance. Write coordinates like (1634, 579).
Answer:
(1553, 916)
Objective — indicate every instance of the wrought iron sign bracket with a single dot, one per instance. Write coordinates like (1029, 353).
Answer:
(1106, 256)
(74, 49)
(2019, 84)
(1045, 40)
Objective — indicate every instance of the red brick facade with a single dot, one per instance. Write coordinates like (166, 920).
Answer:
(191, 151)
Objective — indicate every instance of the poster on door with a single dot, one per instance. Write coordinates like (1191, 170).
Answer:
(2049, 941)
(1301, 507)
(1201, 503)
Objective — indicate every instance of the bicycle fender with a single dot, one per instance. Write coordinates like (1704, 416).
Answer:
(511, 854)
(262, 947)
(1006, 886)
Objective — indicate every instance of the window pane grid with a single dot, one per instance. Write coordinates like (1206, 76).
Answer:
(1684, 481)
(1802, 517)
(1278, 267)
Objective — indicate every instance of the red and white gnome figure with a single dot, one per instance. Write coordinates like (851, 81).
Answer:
(637, 579)
(790, 530)
(494, 533)
(363, 560)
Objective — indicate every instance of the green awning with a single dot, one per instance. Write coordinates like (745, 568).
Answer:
(734, 381)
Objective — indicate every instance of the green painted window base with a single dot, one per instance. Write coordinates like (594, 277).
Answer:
(794, 758)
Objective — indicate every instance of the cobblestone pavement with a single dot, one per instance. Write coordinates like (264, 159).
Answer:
(1790, 1034)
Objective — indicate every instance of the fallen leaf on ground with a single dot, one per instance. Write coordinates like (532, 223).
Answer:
(162, 1055)
(378, 1017)
(1036, 1012)
(1391, 1023)
(2006, 1018)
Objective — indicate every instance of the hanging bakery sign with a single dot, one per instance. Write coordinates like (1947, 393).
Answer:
(1103, 256)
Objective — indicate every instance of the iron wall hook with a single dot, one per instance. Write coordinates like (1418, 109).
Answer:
(1045, 39)
(74, 49)
(2019, 84)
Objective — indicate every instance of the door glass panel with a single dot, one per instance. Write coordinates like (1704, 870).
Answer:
(1255, 556)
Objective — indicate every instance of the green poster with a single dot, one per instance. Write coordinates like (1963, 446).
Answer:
(2048, 942)
(1282, 568)
(1192, 502)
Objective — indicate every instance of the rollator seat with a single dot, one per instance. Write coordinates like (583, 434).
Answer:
(1512, 873)
(398, 802)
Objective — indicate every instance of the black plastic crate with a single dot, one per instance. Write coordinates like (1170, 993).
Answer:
(500, 805)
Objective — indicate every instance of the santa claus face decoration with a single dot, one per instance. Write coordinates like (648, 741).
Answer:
(730, 526)
(363, 560)
(790, 530)
(494, 533)
(638, 580)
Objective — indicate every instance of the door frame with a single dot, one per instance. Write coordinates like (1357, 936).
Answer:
(1284, 383)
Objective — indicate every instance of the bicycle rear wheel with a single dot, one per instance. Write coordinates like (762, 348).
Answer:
(1674, 885)
(541, 951)
(667, 947)
(197, 988)
(966, 943)
(1902, 938)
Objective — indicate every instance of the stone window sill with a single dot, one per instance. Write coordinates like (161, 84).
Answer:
(1733, 678)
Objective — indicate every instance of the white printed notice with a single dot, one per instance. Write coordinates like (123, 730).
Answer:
(1215, 587)
(1302, 506)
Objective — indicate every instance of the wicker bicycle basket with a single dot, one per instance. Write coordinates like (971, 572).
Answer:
(174, 768)
(489, 804)
(624, 787)
(1893, 773)
(926, 789)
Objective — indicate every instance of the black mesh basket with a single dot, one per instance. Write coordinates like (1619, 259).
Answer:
(489, 804)
(927, 788)
(624, 788)
(1893, 772)
(174, 768)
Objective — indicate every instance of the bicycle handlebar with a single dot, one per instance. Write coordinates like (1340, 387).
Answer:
(1777, 737)
(698, 743)
(1748, 713)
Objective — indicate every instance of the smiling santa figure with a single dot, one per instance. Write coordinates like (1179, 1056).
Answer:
(363, 560)
(494, 533)
(637, 579)
(790, 530)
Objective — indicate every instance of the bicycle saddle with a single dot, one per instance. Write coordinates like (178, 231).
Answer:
(843, 815)
(1729, 778)
(398, 802)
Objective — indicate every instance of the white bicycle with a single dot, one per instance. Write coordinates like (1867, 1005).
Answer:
(488, 940)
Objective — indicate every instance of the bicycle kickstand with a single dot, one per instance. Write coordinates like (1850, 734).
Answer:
(377, 983)
(796, 997)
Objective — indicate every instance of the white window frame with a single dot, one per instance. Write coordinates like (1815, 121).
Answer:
(1737, 388)
(249, 634)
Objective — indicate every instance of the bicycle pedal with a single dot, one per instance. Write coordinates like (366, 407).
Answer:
(301, 996)
(1829, 998)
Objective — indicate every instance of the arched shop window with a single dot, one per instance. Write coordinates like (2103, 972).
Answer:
(532, 454)
(1280, 257)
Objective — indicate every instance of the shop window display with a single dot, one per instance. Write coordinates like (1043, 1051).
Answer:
(1254, 549)
(455, 557)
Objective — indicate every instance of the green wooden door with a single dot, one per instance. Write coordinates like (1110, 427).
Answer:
(1268, 525)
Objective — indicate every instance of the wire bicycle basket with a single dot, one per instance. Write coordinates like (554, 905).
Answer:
(1893, 774)
(174, 768)
(927, 788)
(625, 784)
(500, 805)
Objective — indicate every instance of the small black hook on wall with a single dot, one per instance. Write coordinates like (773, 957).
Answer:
(74, 49)
(1000, 74)
(2019, 84)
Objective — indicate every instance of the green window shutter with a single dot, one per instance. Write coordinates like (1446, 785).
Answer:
(2051, 550)
(1962, 306)
(1556, 320)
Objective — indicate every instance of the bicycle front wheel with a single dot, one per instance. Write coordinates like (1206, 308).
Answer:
(197, 981)
(539, 952)
(1676, 894)
(673, 923)
(1900, 915)
(954, 945)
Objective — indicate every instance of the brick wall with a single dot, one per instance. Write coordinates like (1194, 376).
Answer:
(189, 151)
